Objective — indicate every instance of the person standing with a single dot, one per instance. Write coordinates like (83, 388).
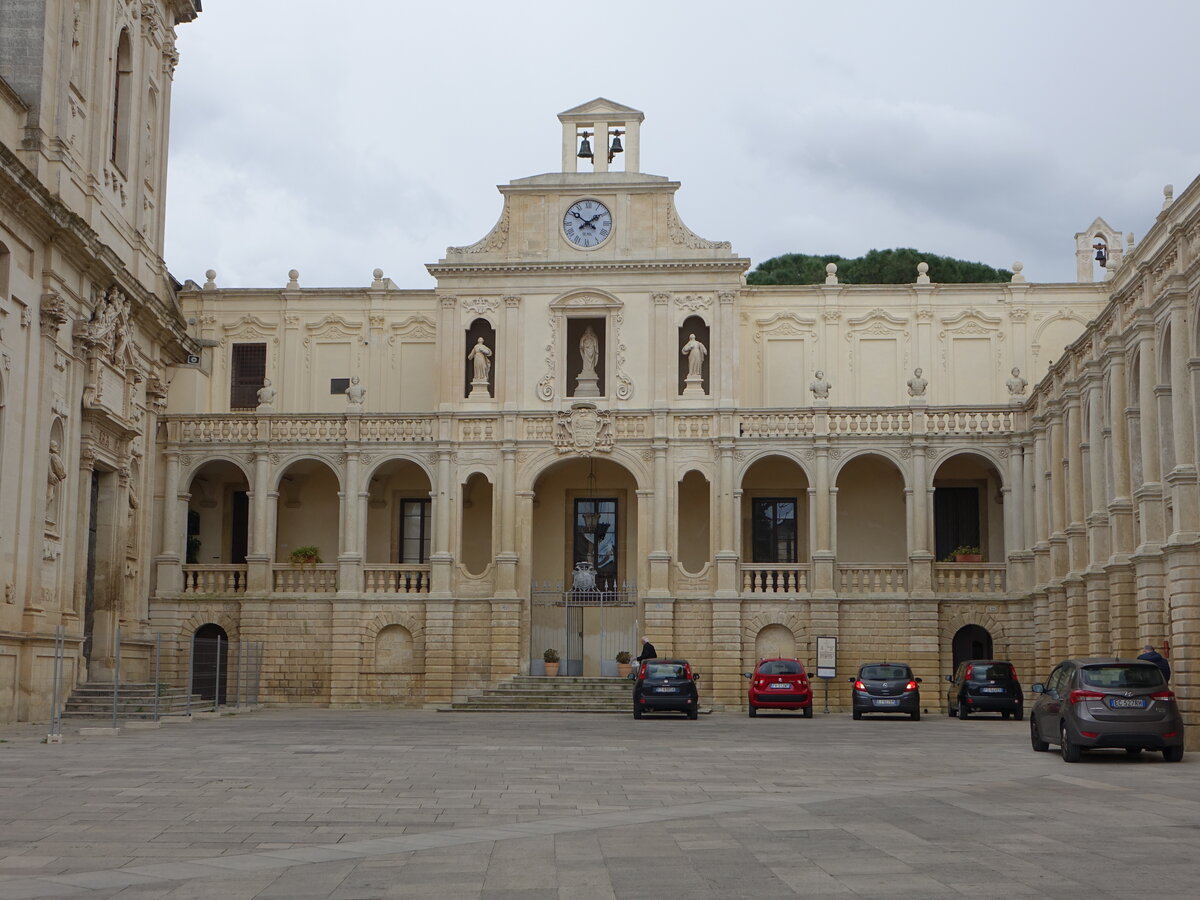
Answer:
(1152, 655)
(648, 651)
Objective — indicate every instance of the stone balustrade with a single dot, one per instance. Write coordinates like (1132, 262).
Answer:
(214, 579)
(970, 578)
(787, 578)
(865, 578)
(395, 579)
(315, 579)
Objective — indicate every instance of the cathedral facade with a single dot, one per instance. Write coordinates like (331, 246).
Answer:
(593, 429)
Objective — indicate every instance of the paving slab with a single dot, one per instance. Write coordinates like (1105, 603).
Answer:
(359, 804)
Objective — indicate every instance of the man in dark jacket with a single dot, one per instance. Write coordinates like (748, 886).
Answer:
(648, 651)
(1152, 655)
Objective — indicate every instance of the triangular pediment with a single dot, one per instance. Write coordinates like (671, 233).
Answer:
(601, 106)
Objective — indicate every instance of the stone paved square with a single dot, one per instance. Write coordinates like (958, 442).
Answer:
(359, 804)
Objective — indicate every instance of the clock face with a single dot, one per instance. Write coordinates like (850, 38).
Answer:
(587, 224)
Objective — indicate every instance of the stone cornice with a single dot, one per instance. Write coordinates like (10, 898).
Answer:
(736, 264)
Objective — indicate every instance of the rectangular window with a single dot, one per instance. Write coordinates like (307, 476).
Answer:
(955, 519)
(338, 385)
(773, 529)
(414, 531)
(248, 369)
(596, 537)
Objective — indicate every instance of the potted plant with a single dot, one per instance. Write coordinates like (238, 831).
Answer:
(305, 556)
(966, 554)
(551, 659)
(624, 667)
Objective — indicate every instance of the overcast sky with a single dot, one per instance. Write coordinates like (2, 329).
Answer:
(335, 138)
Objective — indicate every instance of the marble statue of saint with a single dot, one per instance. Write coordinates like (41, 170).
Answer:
(355, 393)
(820, 387)
(56, 476)
(479, 356)
(1016, 384)
(917, 384)
(695, 352)
(589, 349)
(266, 393)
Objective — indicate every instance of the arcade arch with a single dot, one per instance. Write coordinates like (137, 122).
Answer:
(968, 507)
(871, 513)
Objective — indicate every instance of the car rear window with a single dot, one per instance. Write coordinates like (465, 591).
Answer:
(1122, 675)
(993, 672)
(664, 670)
(885, 673)
(780, 667)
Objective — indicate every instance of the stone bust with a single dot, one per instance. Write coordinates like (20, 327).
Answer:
(1016, 384)
(917, 384)
(355, 392)
(820, 387)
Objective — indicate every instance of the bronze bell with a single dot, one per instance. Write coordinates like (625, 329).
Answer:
(585, 149)
(616, 145)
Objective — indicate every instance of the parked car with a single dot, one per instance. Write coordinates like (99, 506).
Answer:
(985, 685)
(666, 684)
(886, 687)
(1088, 704)
(779, 683)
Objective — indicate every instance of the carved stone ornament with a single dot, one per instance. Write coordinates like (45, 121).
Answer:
(683, 235)
(584, 430)
(693, 302)
(481, 306)
(53, 312)
(493, 240)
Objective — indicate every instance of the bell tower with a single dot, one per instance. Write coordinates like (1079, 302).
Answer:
(602, 133)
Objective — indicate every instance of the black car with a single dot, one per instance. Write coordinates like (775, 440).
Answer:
(985, 685)
(665, 685)
(886, 687)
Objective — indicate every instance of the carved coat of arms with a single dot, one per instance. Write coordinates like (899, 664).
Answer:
(584, 430)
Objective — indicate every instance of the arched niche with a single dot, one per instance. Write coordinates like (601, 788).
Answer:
(775, 640)
(480, 328)
(871, 515)
(694, 327)
(476, 550)
(693, 525)
(968, 507)
(218, 515)
(971, 642)
(393, 650)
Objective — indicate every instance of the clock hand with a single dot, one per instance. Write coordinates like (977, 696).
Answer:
(577, 215)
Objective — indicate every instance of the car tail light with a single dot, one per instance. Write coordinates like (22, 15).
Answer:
(911, 686)
(642, 671)
(1171, 734)
(1163, 695)
(1077, 696)
(859, 686)
(687, 671)
(1090, 734)
(967, 674)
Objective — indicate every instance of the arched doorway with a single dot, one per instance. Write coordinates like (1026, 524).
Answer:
(971, 642)
(210, 662)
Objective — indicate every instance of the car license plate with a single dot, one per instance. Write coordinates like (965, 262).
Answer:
(1127, 702)
(992, 690)
(782, 685)
(889, 702)
(667, 690)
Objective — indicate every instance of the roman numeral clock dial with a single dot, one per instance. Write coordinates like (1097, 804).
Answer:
(587, 224)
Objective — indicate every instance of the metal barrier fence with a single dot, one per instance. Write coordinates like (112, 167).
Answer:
(222, 672)
(587, 627)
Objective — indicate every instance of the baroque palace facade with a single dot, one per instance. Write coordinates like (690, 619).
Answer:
(593, 428)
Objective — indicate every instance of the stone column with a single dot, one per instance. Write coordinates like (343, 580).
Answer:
(659, 558)
(1041, 500)
(663, 362)
(1185, 491)
(508, 556)
(1014, 499)
(1057, 473)
(169, 563)
(1149, 492)
(450, 344)
(920, 555)
(441, 560)
(523, 542)
(824, 556)
(258, 559)
(723, 363)
(350, 569)
(510, 356)
(727, 554)
(1075, 480)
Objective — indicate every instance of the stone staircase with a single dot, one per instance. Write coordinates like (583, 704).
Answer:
(540, 693)
(94, 700)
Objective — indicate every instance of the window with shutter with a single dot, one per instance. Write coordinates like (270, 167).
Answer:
(248, 369)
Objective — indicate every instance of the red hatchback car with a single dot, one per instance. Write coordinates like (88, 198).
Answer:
(780, 683)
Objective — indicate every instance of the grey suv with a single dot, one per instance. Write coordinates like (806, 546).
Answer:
(1088, 704)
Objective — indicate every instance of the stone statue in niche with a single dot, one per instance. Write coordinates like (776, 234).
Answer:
(266, 396)
(820, 387)
(131, 518)
(355, 394)
(917, 384)
(480, 358)
(1016, 386)
(695, 353)
(56, 475)
(587, 384)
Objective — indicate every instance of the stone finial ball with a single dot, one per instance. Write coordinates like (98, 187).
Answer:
(831, 269)
(211, 274)
(1018, 268)
(922, 268)
(377, 274)
(293, 274)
